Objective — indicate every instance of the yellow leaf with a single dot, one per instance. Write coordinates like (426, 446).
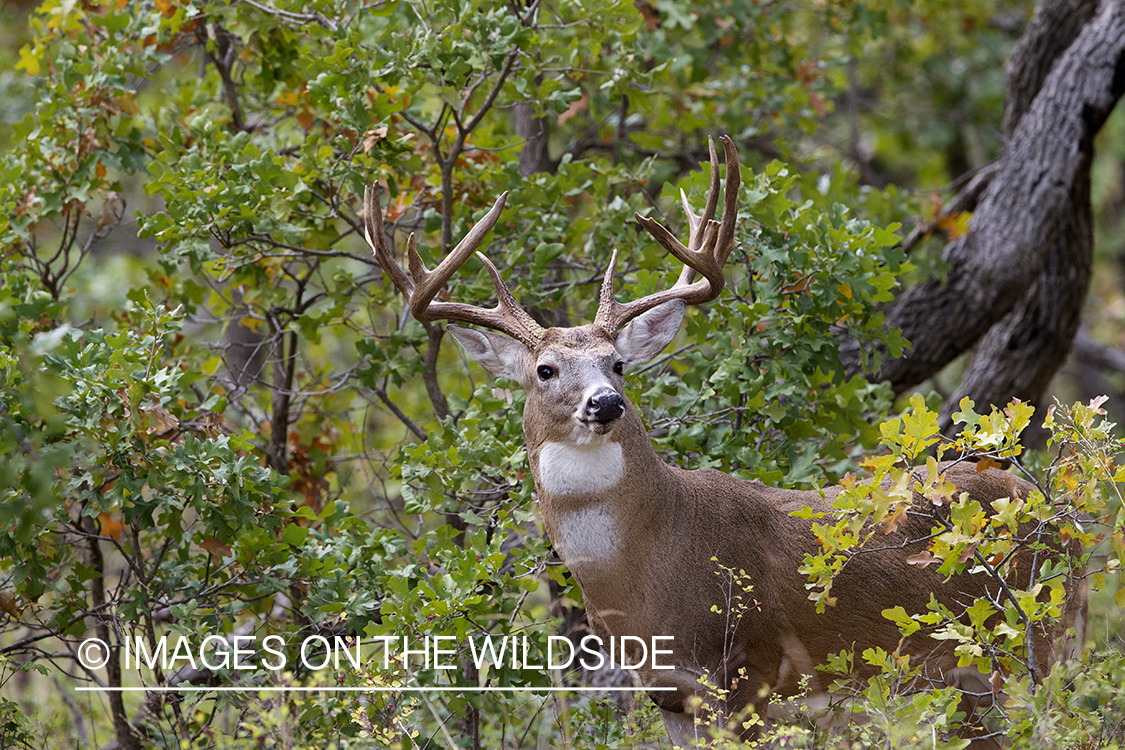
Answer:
(845, 289)
(29, 60)
(955, 224)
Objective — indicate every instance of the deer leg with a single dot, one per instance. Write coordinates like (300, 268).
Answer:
(682, 728)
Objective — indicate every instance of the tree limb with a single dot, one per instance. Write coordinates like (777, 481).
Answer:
(1021, 213)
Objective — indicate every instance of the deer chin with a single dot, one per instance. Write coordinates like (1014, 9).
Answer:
(588, 430)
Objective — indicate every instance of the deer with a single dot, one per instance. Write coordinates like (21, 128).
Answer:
(642, 538)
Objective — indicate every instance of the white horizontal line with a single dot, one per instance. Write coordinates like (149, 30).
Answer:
(441, 689)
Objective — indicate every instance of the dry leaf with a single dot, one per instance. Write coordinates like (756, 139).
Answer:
(648, 12)
(161, 420)
(574, 109)
(9, 604)
(373, 137)
(217, 549)
(986, 463)
(110, 526)
(922, 559)
(895, 518)
(997, 682)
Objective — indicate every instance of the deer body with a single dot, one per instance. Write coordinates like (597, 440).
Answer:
(645, 540)
(648, 543)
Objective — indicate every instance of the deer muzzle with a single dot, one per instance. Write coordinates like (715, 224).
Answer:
(605, 406)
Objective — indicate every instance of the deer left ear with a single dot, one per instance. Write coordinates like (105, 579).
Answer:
(495, 352)
(648, 334)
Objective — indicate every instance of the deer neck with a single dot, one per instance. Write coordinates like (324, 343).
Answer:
(602, 496)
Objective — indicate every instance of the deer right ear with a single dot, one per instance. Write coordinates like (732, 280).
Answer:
(648, 334)
(495, 352)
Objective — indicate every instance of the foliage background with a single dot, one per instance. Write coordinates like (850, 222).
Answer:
(218, 417)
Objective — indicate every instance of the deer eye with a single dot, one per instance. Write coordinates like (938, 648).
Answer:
(619, 368)
(546, 372)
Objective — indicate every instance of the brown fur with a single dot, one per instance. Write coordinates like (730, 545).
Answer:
(670, 523)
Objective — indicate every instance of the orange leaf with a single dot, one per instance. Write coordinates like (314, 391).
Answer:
(987, 463)
(798, 286)
(574, 109)
(955, 224)
(110, 526)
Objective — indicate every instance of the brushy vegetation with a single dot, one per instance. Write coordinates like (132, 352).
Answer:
(218, 421)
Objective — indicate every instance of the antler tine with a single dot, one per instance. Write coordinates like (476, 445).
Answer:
(709, 245)
(373, 232)
(507, 317)
(695, 237)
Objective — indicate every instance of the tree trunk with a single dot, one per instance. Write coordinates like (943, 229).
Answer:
(1019, 355)
(1025, 259)
(534, 156)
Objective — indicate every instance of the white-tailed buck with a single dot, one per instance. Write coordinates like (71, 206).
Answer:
(644, 539)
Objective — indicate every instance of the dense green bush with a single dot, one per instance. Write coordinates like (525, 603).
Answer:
(218, 420)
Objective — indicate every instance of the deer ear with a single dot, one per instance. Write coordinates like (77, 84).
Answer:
(495, 352)
(648, 334)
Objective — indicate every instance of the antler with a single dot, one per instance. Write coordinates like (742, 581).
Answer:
(709, 245)
(507, 317)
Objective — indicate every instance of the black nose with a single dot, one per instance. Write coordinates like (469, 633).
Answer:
(605, 406)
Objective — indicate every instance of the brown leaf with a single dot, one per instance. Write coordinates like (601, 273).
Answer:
(217, 549)
(799, 286)
(922, 559)
(818, 104)
(986, 463)
(967, 553)
(574, 109)
(895, 518)
(648, 12)
(373, 137)
(997, 682)
(9, 604)
(161, 420)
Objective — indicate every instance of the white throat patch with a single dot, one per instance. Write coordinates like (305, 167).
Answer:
(572, 470)
(587, 535)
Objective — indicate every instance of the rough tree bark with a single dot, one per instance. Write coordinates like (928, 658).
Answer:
(533, 129)
(1019, 355)
(1017, 279)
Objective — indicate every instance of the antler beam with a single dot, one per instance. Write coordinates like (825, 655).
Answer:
(423, 284)
(709, 245)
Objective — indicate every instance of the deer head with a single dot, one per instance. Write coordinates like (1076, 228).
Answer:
(573, 376)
